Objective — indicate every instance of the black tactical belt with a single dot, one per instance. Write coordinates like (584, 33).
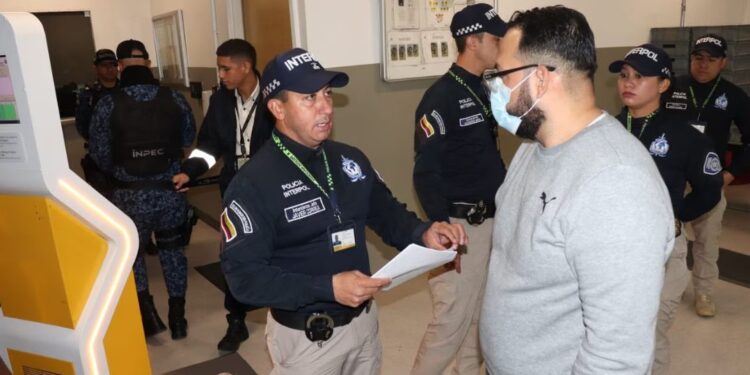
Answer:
(145, 184)
(474, 213)
(299, 320)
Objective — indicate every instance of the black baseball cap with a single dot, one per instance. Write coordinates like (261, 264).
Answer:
(104, 55)
(131, 48)
(715, 45)
(477, 18)
(297, 70)
(647, 59)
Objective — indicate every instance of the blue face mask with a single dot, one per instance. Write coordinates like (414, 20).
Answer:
(499, 98)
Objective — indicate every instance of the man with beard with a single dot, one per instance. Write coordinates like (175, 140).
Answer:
(457, 170)
(578, 254)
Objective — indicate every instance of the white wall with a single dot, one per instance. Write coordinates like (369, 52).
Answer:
(112, 21)
(344, 33)
(196, 15)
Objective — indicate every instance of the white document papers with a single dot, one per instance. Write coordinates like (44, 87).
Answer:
(411, 262)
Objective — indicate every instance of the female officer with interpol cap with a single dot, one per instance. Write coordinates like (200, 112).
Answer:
(681, 153)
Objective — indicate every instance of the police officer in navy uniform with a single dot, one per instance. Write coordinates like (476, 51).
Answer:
(712, 103)
(105, 66)
(285, 208)
(137, 136)
(682, 154)
(457, 171)
(235, 126)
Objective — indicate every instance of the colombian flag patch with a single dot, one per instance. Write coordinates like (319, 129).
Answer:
(427, 128)
(227, 226)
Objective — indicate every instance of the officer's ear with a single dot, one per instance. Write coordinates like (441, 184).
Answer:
(473, 40)
(664, 84)
(276, 107)
(247, 67)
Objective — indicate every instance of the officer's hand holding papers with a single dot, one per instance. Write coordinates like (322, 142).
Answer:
(352, 288)
(441, 238)
(411, 262)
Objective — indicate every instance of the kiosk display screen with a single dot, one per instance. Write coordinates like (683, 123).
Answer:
(8, 112)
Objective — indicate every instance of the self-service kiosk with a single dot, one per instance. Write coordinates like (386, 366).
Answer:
(67, 297)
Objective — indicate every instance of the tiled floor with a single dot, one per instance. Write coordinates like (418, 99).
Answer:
(700, 346)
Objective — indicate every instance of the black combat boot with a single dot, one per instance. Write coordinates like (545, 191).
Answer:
(236, 333)
(177, 322)
(152, 324)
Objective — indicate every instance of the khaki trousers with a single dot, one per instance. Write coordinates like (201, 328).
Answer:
(707, 229)
(456, 305)
(676, 279)
(353, 349)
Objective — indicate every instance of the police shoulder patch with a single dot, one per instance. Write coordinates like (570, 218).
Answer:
(227, 226)
(712, 165)
(247, 225)
(439, 120)
(426, 127)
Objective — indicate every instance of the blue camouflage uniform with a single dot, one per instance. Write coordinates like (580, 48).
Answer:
(151, 210)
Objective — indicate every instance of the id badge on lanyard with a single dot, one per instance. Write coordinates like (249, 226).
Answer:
(699, 125)
(341, 236)
(243, 157)
(241, 160)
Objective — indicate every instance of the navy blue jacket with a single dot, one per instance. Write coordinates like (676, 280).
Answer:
(455, 141)
(277, 247)
(728, 103)
(683, 155)
(218, 136)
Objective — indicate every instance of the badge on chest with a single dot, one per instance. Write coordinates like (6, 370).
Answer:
(341, 236)
(699, 125)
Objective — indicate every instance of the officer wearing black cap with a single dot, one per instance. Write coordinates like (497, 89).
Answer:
(105, 66)
(681, 153)
(457, 170)
(712, 104)
(137, 136)
(294, 229)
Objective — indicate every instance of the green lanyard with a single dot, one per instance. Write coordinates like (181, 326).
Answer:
(303, 169)
(462, 83)
(645, 122)
(692, 96)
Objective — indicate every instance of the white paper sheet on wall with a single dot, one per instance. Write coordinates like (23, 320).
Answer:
(405, 14)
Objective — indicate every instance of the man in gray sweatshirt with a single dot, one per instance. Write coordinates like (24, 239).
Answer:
(584, 224)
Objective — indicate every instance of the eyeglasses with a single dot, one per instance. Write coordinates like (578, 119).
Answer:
(489, 74)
